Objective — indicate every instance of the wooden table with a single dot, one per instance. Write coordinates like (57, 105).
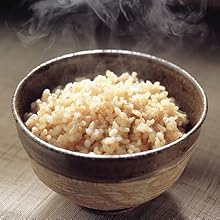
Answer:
(196, 195)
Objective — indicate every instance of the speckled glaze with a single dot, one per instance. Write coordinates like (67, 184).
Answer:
(118, 181)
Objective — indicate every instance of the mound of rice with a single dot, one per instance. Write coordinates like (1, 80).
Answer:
(107, 115)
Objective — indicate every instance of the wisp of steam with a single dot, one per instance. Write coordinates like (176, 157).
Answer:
(143, 22)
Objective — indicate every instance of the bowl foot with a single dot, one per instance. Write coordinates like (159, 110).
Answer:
(109, 212)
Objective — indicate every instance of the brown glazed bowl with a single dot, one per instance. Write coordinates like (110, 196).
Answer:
(109, 182)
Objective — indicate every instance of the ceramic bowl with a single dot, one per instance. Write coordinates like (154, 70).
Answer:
(110, 182)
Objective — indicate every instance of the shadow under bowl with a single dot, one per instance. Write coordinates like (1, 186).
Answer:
(109, 182)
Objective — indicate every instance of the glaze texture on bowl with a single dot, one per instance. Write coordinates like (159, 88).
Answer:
(110, 182)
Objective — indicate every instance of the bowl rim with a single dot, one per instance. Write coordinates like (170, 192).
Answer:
(52, 147)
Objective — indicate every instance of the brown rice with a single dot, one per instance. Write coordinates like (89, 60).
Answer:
(107, 115)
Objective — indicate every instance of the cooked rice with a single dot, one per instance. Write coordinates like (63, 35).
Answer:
(107, 115)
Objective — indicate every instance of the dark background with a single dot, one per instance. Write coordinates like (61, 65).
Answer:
(14, 14)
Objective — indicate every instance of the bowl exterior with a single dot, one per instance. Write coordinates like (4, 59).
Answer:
(112, 196)
(105, 170)
(107, 193)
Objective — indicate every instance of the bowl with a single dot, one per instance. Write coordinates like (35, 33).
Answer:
(109, 182)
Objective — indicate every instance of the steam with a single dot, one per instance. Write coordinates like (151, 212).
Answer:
(145, 23)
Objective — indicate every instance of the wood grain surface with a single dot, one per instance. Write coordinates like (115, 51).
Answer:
(196, 195)
(112, 196)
